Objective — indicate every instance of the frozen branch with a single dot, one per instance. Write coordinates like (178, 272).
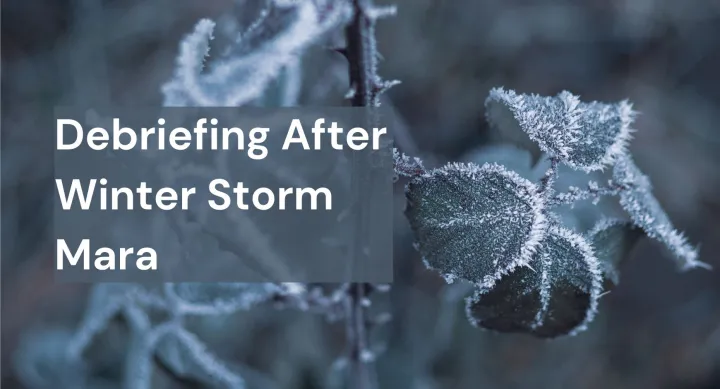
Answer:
(366, 86)
(362, 54)
(360, 357)
(593, 191)
(240, 79)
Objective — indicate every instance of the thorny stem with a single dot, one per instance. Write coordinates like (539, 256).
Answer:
(362, 61)
(361, 53)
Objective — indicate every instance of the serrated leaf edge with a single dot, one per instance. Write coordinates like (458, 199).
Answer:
(579, 242)
(685, 254)
(513, 101)
(537, 205)
(604, 224)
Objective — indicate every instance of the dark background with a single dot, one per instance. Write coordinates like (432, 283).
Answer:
(657, 329)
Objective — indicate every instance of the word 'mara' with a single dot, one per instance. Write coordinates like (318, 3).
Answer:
(105, 258)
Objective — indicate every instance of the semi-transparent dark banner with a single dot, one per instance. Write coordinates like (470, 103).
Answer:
(222, 194)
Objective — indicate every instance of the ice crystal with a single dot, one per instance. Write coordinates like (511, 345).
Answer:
(406, 166)
(556, 294)
(585, 136)
(475, 223)
(646, 212)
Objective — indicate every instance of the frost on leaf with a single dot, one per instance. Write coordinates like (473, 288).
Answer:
(613, 239)
(475, 223)
(585, 136)
(555, 295)
(647, 213)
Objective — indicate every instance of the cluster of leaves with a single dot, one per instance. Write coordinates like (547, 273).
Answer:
(501, 232)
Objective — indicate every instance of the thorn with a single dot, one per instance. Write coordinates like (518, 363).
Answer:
(603, 294)
(696, 264)
(341, 50)
(375, 12)
(382, 86)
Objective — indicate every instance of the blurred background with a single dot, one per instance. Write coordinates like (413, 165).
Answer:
(658, 329)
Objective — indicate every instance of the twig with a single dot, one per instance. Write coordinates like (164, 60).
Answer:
(366, 88)
(360, 357)
(593, 191)
(362, 55)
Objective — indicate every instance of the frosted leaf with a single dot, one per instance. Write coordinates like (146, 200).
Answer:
(556, 294)
(585, 136)
(647, 213)
(475, 223)
(613, 239)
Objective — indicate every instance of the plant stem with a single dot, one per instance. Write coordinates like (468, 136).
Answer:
(548, 180)
(593, 192)
(360, 367)
(361, 53)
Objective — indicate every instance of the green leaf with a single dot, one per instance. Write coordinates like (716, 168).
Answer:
(647, 213)
(555, 295)
(475, 223)
(585, 136)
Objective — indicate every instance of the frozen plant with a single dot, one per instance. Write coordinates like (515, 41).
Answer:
(269, 48)
(180, 350)
(500, 231)
(484, 224)
(259, 55)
